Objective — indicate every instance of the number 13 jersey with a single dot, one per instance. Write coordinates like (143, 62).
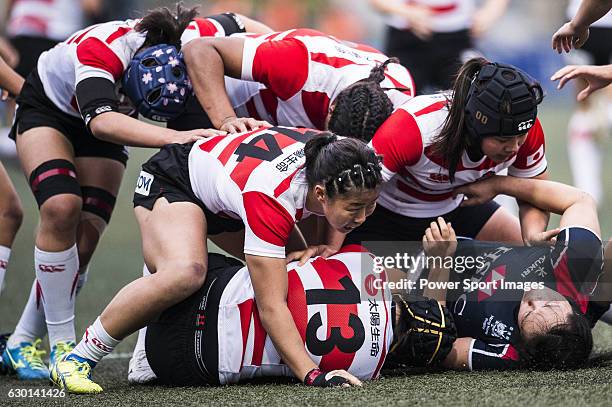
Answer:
(341, 325)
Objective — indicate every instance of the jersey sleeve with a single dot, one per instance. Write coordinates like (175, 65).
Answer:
(531, 159)
(218, 25)
(268, 225)
(281, 65)
(492, 356)
(97, 59)
(399, 142)
(577, 261)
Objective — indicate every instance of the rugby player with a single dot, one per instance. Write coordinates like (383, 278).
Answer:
(69, 104)
(503, 327)
(256, 185)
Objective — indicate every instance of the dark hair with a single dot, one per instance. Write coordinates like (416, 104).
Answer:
(163, 27)
(361, 108)
(564, 346)
(450, 143)
(341, 165)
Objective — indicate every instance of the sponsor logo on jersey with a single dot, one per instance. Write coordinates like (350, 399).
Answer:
(439, 178)
(143, 185)
(496, 328)
(49, 268)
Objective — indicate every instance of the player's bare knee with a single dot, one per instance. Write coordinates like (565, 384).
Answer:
(11, 214)
(61, 212)
(188, 277)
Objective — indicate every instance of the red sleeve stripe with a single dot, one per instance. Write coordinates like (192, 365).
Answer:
(316, 105)
(93, 52)
(565, 286)
(121, 31)
(80, 37)
(267, 218)
(431, 108)
(206, 28)
(408, 88)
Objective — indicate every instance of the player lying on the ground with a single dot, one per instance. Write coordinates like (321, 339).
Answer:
(499, 327)
(300, 77)
(256, 185)
(216, 336)
(70, 104)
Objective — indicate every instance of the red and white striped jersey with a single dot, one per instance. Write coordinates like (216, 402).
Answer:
(302, 71)
(103, 51)
(446, 15)
(256, 177)
(52, 19)
(418, 181)
(342, 324)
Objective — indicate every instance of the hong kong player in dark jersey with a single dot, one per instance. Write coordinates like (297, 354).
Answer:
(526, 306)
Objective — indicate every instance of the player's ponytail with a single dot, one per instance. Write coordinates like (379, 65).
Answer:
(163, 27)
(452, 140)
(341, 165)
(360, 109)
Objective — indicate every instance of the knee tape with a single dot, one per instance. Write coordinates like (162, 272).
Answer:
(54, 177)
(98, 201)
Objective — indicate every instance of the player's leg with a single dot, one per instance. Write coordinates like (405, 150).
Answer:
(53, 180)
(139, 370)
(11, 216)
(174, 247)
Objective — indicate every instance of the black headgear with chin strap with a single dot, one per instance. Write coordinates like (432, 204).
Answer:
(502, 102)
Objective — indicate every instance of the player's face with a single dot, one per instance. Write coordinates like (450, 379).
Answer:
(345, 212)
(541, 310)
(500, 149)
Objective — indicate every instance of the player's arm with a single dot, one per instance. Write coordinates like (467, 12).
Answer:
(10, 80)
(439, 240)
(98, 105)
(254, 26)
(269, 279)
(487, 15)
(534, 220)
(576, 32)
(208, 60)
(576, 207)
(458, 358)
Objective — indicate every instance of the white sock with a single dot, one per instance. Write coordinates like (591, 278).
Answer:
(142, 333)
(82, 280)
(57, 275)
(96, 343)
(32, 324)
(5, 254)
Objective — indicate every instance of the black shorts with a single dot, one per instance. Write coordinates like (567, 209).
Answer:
(599, 45)
(386, 225)
(29, 49)
(166, 175)
(182, 344)
(433, 63)
(35, 109)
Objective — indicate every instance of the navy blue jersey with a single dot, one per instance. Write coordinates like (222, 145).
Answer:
(486, 302)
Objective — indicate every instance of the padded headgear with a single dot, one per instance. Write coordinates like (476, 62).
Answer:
(502, 101)
(156, 82)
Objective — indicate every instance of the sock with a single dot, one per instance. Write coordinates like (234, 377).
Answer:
(32, 324)
(82, 280)
(57, 275)
(5, 254)
(96, 343)
(142, 333)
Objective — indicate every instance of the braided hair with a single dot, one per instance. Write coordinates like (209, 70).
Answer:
(342, 165)
(361, 108)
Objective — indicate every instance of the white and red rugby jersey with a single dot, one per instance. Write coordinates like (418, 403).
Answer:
(102, 51)
(302, 71)
(446, 15)
(52, 19)
(341, 325)
(417, 182)
(256, 177)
